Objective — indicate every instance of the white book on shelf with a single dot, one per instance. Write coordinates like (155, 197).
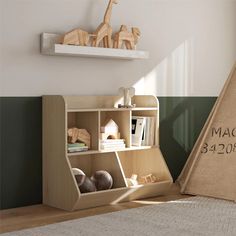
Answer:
(148, 133)
(112, 145)
(152, 131)
(112, 141)
(137, 130)
(120, 146)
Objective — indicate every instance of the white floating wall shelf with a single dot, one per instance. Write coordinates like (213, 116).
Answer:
(49, 46)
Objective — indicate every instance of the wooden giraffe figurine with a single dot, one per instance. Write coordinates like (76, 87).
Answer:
(104, 30)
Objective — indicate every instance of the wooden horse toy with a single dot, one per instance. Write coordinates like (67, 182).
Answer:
(129, 38)
(76, 37)
(75, 134)
(104, 30)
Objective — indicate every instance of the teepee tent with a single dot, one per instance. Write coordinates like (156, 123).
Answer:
(211, 167)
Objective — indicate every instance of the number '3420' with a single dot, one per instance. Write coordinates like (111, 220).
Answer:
(220, 148)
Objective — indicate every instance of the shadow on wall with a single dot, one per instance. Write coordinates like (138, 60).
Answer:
(172, 76)
(181, 120)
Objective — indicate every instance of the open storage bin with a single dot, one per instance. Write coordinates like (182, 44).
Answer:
(109, 162)
(142, 163)
(91, 163)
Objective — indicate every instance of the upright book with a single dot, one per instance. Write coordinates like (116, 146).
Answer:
(143, 131)
(138, 124)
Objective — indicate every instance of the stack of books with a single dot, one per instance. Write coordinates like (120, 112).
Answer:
(76, 147)
(109, 144)
(143, 131)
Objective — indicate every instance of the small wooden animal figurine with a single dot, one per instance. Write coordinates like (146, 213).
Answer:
(130, 39)
(148, 179)
(76, 37)
(82, 135)
(104, 30)
(127, 93)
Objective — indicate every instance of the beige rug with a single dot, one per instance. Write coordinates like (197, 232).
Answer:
(190, 216)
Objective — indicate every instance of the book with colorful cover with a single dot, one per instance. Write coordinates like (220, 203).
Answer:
(76, 147)
(70, 145)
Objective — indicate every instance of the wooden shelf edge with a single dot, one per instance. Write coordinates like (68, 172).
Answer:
(129, 187)
(49, 46)
(114, 109)
(107, 151)
(151, 184)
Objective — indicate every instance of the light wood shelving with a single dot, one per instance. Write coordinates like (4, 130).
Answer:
(59, 185)
(50, 46)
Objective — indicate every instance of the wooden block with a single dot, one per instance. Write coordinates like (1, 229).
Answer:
(148, 179)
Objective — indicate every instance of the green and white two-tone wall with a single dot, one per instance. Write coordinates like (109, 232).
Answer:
(192, 49)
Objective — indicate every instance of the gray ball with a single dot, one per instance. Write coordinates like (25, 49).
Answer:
(102, 180)
(86, 185)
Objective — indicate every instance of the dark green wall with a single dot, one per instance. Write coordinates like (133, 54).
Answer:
(21, 151)
(181, 119)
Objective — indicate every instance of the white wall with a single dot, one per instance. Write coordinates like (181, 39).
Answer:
(192, 45)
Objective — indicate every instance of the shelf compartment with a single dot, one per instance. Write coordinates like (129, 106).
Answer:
(122, 119)
(150, 113)
(103, 161)
(91, 163)
(50, 46)
(88, 121)
(145, 162)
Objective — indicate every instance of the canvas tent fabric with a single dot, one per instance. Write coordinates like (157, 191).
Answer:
(211, 167)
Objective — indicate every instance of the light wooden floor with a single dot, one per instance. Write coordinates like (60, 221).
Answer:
(38, 215)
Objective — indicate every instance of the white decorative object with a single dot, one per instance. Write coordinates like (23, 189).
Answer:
(132, 181)
(127, 93)
(110, 127)
(110, 130)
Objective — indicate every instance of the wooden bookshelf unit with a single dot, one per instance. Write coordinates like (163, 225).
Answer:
(60, 189)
